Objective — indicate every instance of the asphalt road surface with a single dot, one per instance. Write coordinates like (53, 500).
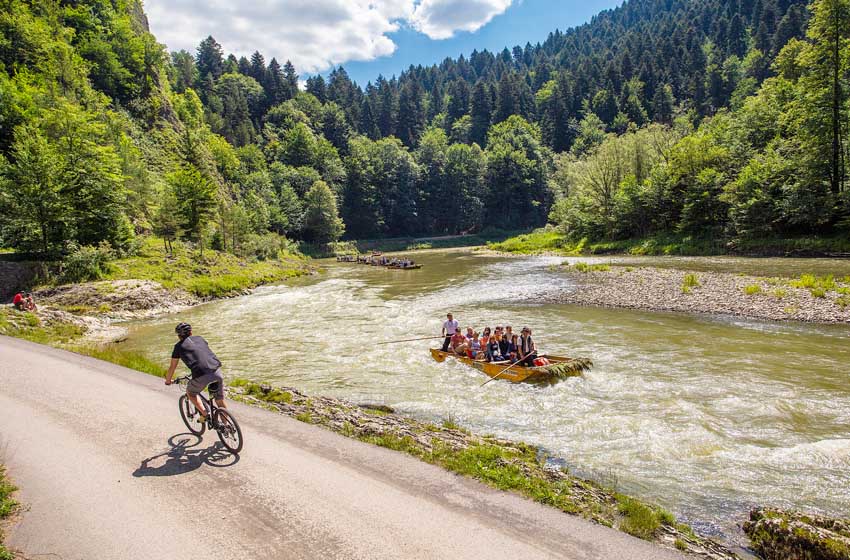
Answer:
(106, 469)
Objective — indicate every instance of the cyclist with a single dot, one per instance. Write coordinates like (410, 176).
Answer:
(205, 367)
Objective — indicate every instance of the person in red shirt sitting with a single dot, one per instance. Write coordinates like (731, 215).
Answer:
(18, 301)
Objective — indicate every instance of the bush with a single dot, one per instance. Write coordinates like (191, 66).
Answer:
(86, 263)
(266, 247)
(752, 290)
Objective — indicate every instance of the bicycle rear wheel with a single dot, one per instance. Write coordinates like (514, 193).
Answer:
(191, 416)
(228, 430)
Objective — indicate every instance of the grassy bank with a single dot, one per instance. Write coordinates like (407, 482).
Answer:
(549, 240)
(213, 274)
(8, 506)
(31, 327)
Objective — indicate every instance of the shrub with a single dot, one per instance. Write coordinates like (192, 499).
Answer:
(86, 263)
(752, 290)
(779, 293)
(818, 292)
(266, 247)
(689, 282)
(842, 302)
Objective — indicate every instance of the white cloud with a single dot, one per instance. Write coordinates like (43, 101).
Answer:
(313, 34)
(441, 19)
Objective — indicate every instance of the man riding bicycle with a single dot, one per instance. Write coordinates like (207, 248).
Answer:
(205, 367)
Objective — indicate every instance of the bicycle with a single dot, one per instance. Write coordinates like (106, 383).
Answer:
(218, 419)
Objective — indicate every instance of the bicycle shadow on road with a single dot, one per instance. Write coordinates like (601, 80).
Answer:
(183, 456)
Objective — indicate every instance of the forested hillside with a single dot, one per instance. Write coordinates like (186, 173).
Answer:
(707, 118)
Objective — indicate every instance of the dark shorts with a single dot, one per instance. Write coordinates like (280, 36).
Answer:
(214, 381)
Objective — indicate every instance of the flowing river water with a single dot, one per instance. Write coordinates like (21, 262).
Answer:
(706, 416)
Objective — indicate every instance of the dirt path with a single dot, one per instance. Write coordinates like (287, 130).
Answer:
(107, 470)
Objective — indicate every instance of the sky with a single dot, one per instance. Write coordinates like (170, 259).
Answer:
(367, 37)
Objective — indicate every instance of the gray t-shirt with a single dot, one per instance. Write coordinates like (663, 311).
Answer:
(196, 354)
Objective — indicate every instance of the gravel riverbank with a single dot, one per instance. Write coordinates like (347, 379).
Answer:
(718, 293)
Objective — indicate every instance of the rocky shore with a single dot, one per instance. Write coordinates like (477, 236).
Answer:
(507, 465)
(718, 293)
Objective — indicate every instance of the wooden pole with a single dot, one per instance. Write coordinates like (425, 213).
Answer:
(411, 339)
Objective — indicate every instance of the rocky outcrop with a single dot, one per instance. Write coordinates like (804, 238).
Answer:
(117, 299)
(787, 535)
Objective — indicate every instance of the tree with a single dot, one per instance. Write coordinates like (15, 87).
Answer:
(210, 59)
(196, 195)
(322, 223)
(34, 208)
(481, 112)
(516, 172)
(166, 223)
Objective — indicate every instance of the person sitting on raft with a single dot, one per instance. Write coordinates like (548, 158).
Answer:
(527, 348)
(475, 351)
(513, 348)
(459, 344)
(494, 352)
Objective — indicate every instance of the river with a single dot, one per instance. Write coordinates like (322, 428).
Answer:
(706, 416)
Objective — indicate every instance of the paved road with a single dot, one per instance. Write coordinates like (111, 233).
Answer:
(107, 470)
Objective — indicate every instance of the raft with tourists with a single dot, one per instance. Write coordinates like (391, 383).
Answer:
(559, 367)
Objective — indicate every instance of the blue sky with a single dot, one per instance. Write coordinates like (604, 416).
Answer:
(368, 37)
(527, 21)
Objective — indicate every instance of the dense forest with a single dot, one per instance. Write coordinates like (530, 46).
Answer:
(724, 118)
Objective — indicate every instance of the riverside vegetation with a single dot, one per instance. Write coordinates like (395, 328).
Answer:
(8, 506)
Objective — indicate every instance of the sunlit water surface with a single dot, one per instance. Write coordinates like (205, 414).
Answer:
(707, 416)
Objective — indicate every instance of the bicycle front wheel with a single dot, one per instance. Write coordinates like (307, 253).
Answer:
(228, 430)
(191, 417)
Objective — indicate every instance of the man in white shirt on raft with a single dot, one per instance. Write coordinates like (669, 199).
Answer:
(449, 328)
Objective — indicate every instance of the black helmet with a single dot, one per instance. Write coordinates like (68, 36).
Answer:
(183, 330)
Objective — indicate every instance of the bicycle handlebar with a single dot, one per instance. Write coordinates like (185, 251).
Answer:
(180, 380)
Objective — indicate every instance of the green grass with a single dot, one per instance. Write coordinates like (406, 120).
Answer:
(585, 268)
(689, 282)
(752, 290)
(550, 240)
(8, 506)
(128, 359)
(779, 293)
(812, 282)
(216, 274)
(28, 326)
(639, 519)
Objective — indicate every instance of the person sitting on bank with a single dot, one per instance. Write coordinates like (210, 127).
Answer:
(494, 352)
(29, 303)
(18, 301)
(450, 327)
(459, 344)
(527, 348)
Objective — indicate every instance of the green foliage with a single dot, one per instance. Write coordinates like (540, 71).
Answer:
(322, 223)
(8, 506)
(132, 360)
(690, 280)
(30, 327)
(752, 290)
(584, 268)
(87, 263)
(639, 519)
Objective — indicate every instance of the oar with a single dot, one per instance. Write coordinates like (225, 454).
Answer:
(411, 339)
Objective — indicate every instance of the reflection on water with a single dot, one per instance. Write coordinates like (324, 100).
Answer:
(706, 416)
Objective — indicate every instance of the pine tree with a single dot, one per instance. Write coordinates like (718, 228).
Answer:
(481, 109)
(322, 223)
(317, 87)
(209, 60)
